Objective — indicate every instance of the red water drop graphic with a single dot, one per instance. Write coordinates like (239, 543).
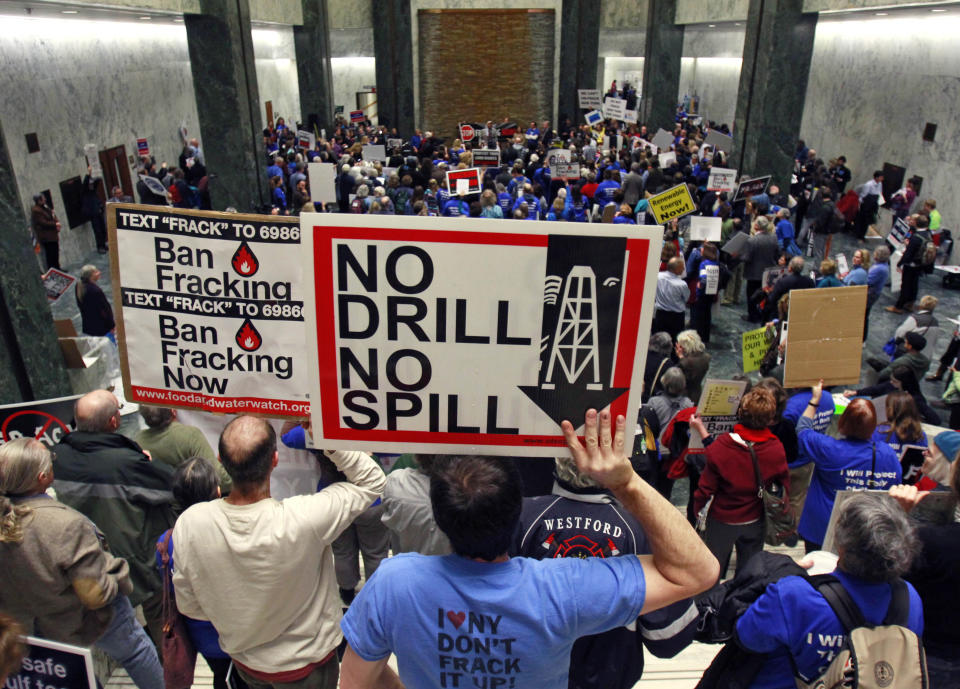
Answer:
(248, 337)
(244, 261)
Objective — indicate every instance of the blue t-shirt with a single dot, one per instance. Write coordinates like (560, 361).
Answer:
(605, 191)
(841, 464)
(909, 453)
(792, 618)
(857, 276)
(453, 622)
(821, 422)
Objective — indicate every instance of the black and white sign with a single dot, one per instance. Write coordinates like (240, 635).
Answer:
(53, 665)
(614, 108)
(589, 99)
(486, 157)
(46, 420)
(449, 335)
(751, 187)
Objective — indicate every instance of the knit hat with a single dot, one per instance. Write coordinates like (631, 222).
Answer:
(916, 340)
(949, 444)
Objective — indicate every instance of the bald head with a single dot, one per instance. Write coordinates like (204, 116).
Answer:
(675, 265)
(98, 412)
(248, 449)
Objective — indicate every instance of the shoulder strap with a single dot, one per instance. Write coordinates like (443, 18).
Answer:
(872, 483)
(839, 601)
(899, 610)
(753, 456)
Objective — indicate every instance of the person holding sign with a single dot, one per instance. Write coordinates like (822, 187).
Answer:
(57, 579)
(850, 462)
(761, 252)
(708, 288)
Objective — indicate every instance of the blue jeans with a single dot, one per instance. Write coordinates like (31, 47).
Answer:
(127, 643)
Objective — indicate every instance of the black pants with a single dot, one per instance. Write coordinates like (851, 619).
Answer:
(669, 322)
(52, 252)
(219, 667)
(910, 286)
(753, 310)
(99, 230)
(953, 349)
(701, 314)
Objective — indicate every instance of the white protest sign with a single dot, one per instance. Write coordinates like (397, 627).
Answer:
(448, 335)
(667, 159)
(53, 665)
(463, 187)
(614, 108)
(896, 274)
(722, 179)
(323, 181)
(842, 267)
(93, 160)
(155, 186)
(209, 309)
(593, 117)
(719, 140)
(643, 145)
(566, 171)
(557, 154)
(630, 116)
(663, 139)
(394, 143)
(375, 152)
(713, 279)
(306, 139)
(589, 99)
(704, 228)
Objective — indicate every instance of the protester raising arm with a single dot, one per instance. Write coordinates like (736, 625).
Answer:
(681, 565)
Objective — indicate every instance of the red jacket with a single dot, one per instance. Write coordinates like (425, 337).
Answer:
(729, 476)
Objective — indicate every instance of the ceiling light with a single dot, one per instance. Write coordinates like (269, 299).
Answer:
(881, 14)
(178, 19)
(712, 26)
(736, 23)
(68, 11)
(938, 10)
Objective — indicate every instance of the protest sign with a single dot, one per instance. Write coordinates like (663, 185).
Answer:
(53, 665)
(722, 179)
(593, 117)
(154, 185)
(323, 182)
(557, 154)
(898, 234)
(357, 116)
(486, 157)
(736, 244)
(566, 171)
(56, 282)
(672, 203)
(896, 274)
(754, 345)
(471, 176)
(842, 268)
(209, 309)
(662, 139)
(375, 152)
(718, 407)
(825, 339)
(467, 132)
(771, 275)
(306, 139)
(643, 145)
(704, 228)
(143, 148)
(630, 116)
(93, 160)
(46, 420)
(751, 187)
(667, 159)
(712, 285)
(614, 108)
(589, 99)
(719, 140)
(450, 335)
(394, 144)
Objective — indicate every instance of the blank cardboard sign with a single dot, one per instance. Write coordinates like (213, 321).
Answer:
(825, 338)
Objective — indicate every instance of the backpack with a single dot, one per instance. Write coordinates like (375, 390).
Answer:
(400, 202)
(358, 205)
(885, 656)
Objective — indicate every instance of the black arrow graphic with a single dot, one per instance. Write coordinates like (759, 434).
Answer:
(570, 401)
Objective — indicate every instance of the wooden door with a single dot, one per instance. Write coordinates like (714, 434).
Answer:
(116, 170)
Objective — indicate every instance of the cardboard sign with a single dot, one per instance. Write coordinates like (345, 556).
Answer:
(375, 152)
(46, 420)
(566, 171)
(825, 339)
(719, 140)
(93, 160)
(672, 203)
(322, 182)
(306, 139)
(662, 139)
(450, 335)
(630, 116)
(56, 282)
(722, 179)
(718, 406)
(209, 309)
(713, 279)
(705, 228)
(589, 99)
(357, 116)
(467, 133)
(53, 665)
(754, 345)
(667, 159)
(143, 148)
(614, 108)
(486, 157)
(751, 187)
(472, 176)
(593, 117)
(557, 154)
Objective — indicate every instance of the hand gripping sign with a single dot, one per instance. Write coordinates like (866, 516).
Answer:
(454, 335)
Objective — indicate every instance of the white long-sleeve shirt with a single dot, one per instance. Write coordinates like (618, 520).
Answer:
(263, 573)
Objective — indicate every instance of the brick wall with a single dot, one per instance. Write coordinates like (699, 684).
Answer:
(479, 65)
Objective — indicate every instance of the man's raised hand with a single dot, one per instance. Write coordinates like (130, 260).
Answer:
(602, 458)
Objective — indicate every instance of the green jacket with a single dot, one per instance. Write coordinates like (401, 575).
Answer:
(918, 361)
(175, 443)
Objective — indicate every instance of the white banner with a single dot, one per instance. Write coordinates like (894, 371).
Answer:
(722, 179)
(704, 228)
(589, 99)
(322, 182)
(614, 108)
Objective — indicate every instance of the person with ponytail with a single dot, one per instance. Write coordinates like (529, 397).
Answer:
(903, 432)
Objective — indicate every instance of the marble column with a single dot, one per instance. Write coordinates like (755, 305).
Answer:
(579, 50)
(661, 65)
(314, 75)
(228, 103)
(393, 50)
(777, 52)
(31, 364)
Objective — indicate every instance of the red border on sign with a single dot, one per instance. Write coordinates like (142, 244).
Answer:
(637, 252)
(225, 405)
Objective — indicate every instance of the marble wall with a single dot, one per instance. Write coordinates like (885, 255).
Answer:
(350, 74)
(75, 82)
(710, 69)
(702, 12)
(351, 48)
(874, 82)
(276, 65)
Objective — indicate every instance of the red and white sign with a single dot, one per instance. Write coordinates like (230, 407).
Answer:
(466, 181)
(467, 132)
(357, 116)
(453, 335)
(209, 310)
(143, 148)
